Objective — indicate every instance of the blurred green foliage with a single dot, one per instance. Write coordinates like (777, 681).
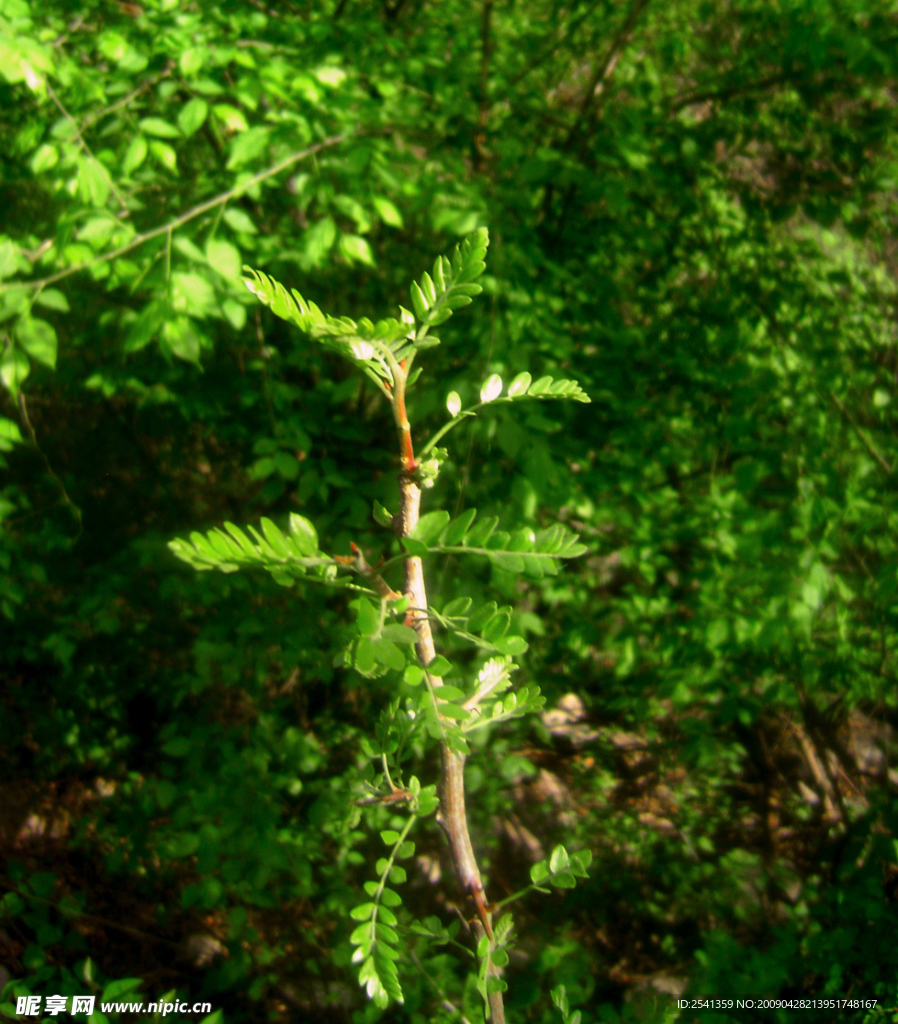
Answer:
(691, 210)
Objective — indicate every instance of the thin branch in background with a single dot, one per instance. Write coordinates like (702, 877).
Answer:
(595, 92)
(861, 436)
(594, 97)
(119, 197)
(92, 119)
(393, 10)
(446, 1002)
(63, 493)
(842, 80)
(63, 37)
(483, 112)
(552, 48)
(871, 448)
(68, 911)
(178, 222)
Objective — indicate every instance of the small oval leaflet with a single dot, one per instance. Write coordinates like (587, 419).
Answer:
(491, 389)
(519, 385)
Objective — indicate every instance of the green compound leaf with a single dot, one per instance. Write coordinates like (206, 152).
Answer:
(287, 557)
(376, 938)
(561, 869)
(435, 297)
(525, 552)
(491, 394)
(547, 387)
(484, 614)
(362, 342)
(378, 347)
(485, 627)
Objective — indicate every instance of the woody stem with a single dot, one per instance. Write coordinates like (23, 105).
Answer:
(452, 814)
(406, 451)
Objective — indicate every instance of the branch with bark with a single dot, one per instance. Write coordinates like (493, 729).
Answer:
(452, 814)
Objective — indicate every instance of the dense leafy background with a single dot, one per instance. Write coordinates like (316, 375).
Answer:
(692, 209)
